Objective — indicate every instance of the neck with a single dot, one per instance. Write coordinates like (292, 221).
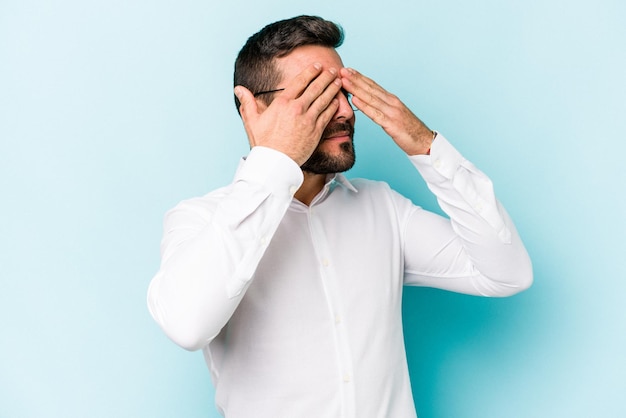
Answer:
(311, 186)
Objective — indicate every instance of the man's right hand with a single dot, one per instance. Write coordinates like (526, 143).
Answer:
(295, 120)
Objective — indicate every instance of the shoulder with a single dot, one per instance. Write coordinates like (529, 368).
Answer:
(199, 206)
(380, 193)
(376, 188)
(376, 191)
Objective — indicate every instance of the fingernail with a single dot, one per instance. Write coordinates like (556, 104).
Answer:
(238, 92)
(333, 71)
(317, 65)
(337, 82)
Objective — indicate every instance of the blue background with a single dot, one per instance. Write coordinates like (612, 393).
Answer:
(113, 111)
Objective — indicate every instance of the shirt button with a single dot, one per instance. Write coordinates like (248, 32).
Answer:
(437, 164)
(325, 262)
(346, 378)
(337, 319)
(293, 190)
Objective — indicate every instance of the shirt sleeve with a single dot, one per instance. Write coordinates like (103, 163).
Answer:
(477, 250)
(212, 245)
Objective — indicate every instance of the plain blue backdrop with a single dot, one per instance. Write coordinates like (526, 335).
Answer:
(113, 111)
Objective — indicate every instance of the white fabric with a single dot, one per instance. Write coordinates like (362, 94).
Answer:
(298, 308)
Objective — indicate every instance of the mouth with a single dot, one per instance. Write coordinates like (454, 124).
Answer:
(338, 136)
(338, 132)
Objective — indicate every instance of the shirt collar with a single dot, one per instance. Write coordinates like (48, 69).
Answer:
(340, 179)
(331, 179)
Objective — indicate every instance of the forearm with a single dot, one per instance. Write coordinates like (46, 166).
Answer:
(491, 256)
(212, 246)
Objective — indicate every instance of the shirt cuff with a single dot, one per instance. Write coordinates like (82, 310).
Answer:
(443, 161)
(272, 169)
(445, 170)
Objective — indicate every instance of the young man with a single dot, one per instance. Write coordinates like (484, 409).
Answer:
(290, 278)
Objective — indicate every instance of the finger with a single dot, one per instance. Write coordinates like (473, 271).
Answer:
(248, 110)
(360, 81)
(326, 97)
(370, 98)
(324, 87)
(364, 88)
(367, 102)
(326, 115)
(300, 82)
(248, 106)
(375, 113)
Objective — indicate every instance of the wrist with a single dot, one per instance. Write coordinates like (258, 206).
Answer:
(422, 143)
(431, 142)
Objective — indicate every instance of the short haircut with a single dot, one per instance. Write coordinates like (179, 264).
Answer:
(255, 64)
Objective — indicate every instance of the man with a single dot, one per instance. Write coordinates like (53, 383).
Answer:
(290, 278)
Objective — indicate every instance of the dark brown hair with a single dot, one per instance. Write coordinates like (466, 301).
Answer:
(254, 66)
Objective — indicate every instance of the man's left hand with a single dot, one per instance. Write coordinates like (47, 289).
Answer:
(385, 109)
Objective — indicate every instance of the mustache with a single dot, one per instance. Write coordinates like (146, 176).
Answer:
(338, 128)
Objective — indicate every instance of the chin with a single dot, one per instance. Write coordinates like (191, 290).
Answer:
(338, 159)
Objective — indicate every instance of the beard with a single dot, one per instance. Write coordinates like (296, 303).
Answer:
(321, 162)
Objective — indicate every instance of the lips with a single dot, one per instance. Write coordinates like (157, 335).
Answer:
(337, 135)
(338, 130)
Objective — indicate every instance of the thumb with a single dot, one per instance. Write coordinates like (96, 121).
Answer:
(247, 106)
(248, 111)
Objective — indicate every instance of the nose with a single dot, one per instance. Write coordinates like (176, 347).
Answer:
(345, 110)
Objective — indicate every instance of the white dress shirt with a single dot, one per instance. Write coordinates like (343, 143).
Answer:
(298, 308)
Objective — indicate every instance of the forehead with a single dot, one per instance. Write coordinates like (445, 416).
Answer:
(293, 64)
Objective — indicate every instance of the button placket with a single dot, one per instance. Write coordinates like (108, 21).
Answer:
(333, 297)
